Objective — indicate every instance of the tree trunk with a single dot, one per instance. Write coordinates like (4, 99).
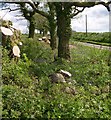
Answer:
(52, 26)
(63, 31)
(40, 31)
(3, 40)
(31, 28)
(52, 30)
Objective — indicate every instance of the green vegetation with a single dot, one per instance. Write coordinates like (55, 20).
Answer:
(95, 38)
(28, 93)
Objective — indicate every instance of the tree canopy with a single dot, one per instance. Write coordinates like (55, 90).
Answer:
(41, 23)
(63, 12)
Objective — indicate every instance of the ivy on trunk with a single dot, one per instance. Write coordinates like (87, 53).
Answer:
(52, 26)
(52, 30)
(63, 30)
(31, 27)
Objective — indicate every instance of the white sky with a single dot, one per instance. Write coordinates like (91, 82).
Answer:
(97, 20)
(97, 17)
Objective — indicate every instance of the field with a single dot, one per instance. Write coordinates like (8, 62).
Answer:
(95, 38)
(28, 93)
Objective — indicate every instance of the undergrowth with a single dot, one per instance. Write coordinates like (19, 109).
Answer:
(28, 93)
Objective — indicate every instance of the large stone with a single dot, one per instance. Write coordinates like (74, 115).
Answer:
(57, 78)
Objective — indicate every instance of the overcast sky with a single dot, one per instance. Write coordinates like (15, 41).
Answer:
(97, 18)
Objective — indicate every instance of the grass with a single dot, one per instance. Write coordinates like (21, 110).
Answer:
(28, 93)
(98, 43)
(90, 59)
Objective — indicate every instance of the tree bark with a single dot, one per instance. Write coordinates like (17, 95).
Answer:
(31, 28)
(52, 30)
(63, 31)
(52, 26)
(3, 40)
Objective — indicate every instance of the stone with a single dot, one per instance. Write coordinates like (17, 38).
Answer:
(20, 43)
(70, 90)
(69, 83)
(40, 39)
(65, 73)
(44, 38)
(48, 42)
(57, 78)
(106, 89)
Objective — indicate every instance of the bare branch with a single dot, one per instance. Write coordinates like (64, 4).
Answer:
(14, 9)
(5, 8)
(19, 15)
(33, 5)
(90, 4)
(76, 13)
(10, 10)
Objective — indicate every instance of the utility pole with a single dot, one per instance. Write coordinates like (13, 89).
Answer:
(86, 24)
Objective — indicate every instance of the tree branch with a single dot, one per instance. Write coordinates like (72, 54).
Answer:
(8, 8)
(76, 13)
(11, 10)
(90, 4)
(32, 4)
(35, 7)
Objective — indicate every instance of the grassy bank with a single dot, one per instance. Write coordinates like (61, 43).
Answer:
(94, 38)
(28, 93)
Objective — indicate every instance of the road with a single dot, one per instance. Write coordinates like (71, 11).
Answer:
(95, 46)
